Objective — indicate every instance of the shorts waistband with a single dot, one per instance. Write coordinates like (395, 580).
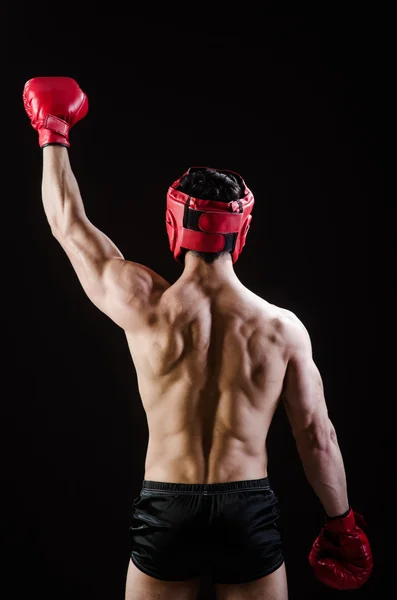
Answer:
(205, 489)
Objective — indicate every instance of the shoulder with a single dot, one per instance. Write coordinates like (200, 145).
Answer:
(133, 292)
(289, 327)
(128, 275)
(297, 337)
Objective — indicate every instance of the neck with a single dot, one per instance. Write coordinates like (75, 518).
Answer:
(198, 271)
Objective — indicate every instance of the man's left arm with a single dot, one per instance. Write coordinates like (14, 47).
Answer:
(125, 291)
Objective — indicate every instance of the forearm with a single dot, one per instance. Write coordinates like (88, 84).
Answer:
(323, 465)
(60, 191)
(88, 248)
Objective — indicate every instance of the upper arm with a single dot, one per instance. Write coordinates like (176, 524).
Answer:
(125, 291)
(303, 391)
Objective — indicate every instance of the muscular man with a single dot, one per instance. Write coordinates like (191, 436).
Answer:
(213, 362)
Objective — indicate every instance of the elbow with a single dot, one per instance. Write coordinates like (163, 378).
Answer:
(58, 231)
(54, 228)
(318, 436)
(61, 226)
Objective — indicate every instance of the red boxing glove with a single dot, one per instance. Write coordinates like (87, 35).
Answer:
(54, 105)
(341, 556)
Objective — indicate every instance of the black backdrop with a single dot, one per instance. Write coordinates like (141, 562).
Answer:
(295, 102)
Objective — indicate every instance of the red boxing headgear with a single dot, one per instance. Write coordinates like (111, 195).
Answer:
(207, 225)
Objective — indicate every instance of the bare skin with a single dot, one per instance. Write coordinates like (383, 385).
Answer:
(213, 362)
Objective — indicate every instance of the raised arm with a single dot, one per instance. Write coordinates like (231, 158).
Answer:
(124, 290)
(313, 431)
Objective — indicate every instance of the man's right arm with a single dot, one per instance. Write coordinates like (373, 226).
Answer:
(315, 436)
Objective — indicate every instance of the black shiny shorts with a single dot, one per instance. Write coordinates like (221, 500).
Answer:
(228, 531)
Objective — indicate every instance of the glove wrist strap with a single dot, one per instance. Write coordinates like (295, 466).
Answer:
(54, 131)
(339, 516)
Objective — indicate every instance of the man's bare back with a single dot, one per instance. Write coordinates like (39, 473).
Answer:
(210, 369)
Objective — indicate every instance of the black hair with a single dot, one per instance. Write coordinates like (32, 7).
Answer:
(210, 184)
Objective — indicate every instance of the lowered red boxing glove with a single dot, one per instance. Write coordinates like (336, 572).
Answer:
(54, 105)
(341, 556)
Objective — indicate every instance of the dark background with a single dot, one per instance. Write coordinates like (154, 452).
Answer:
(298, 103)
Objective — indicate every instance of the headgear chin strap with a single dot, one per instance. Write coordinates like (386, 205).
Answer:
(207, 225)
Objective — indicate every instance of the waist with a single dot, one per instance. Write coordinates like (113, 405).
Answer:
(195, 468)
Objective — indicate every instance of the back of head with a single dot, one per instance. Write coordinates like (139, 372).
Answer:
(210, 184)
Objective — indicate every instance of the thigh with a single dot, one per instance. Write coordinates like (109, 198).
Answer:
(271, 587)
(140, 586)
